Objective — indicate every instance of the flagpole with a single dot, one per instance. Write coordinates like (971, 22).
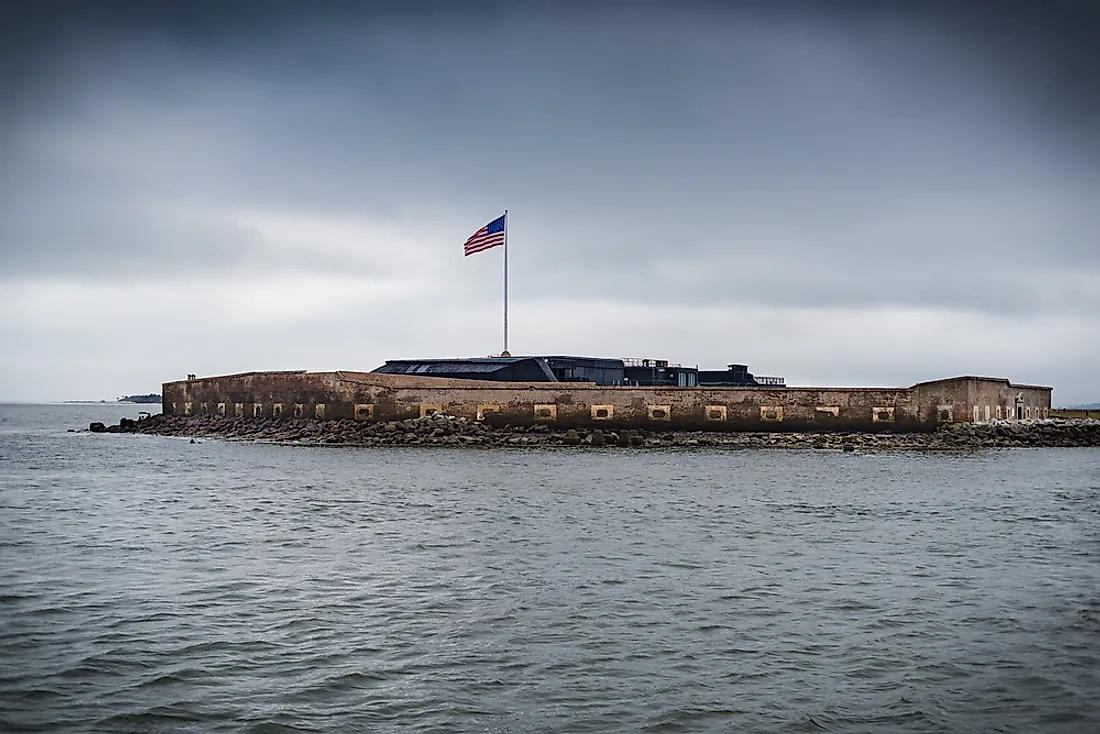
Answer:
(505, 282)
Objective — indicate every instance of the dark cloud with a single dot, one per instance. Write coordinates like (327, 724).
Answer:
(1054, 35)
(271, 105)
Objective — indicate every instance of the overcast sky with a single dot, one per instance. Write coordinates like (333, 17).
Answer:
(842, 193)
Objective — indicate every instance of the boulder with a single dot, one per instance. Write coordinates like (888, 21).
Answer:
(97, 427)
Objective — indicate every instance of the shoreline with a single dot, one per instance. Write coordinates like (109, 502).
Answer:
(447, 431)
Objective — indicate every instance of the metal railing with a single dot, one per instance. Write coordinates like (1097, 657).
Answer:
(639, 362)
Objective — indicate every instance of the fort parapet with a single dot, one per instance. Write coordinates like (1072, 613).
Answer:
(370, 396)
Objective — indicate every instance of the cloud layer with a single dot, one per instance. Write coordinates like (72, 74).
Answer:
(866, 194)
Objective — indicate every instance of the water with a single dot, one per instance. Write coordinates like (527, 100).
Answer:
(150, 584)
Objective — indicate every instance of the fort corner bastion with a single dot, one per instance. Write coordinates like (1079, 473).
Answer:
(372, 396)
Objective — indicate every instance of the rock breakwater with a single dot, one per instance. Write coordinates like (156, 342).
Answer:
(450, 431)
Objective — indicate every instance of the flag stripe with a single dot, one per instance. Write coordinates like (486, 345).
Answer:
(482, 245)
(489, 236)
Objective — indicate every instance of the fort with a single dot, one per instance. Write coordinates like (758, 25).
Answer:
(399, 394)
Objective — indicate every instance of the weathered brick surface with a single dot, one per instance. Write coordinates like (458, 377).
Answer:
(959, 396)
(375, 397)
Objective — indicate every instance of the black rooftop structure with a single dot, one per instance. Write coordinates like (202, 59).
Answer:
(586, 369)
(659, 373)
(737, 375)
(496, 369)
(557, 368)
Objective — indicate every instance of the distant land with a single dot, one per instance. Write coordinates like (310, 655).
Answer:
(1087, 406)
(149, 398)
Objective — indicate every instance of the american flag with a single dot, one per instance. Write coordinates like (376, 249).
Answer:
(491, 235)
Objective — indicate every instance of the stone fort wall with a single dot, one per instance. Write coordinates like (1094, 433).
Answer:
(378, 397)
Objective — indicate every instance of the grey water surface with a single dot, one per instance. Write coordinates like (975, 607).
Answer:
(150, 584)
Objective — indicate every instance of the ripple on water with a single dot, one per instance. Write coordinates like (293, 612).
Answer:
(276, 589)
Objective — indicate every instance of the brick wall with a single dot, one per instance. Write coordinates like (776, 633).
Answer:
(980, 399)
(369, 396)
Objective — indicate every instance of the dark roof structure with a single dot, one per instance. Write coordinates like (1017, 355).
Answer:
(596, 370)
(586, 369)
(737, 375)
(496, 369)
